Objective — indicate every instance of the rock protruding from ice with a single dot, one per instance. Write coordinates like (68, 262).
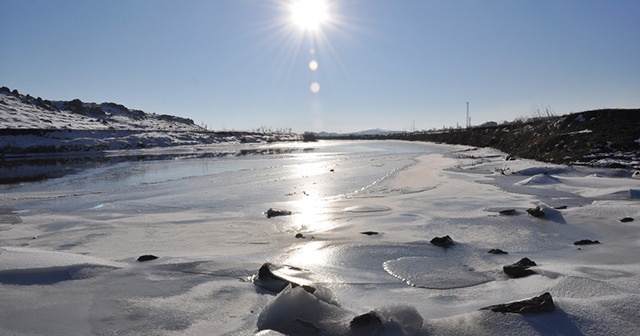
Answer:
(508, 212)
(539, 304)
(368, 320)
(146, 257)
(586, 242)
(444, 241)
(273, 279)
(497, 251)
(536, 212)
(277, 212)
(520, 269)
(297, 312)
(268, 280)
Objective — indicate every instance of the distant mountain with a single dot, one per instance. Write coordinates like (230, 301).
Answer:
(369, 132)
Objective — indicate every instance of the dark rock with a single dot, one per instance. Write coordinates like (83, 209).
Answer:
(497, 251)
(617, 165)
(586, 242)
(508, 212)
(277, 212)
(536, 212)
(627, 219)
(561, 207)
(146, 257)
(445, 241)
(268, 280)
(514, 271)
(539, 304)
(526, 262)
(370, 319)
(369, 233)
(299, 236)
(520, 269)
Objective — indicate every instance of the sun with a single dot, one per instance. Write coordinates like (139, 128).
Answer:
(309, 14)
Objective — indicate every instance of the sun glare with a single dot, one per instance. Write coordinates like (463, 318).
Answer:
(309, 14)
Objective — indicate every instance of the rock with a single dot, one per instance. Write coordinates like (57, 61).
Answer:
(561, 207)
(586, 242)
(497, 251)
(536, 212)
(277, 212)
(520, 269)
(268, 280)
(539, 304)
(526, 262)
(508, 212)
(445, 241)
(627, 219)
(147, 257)
(368, 320)
(369, 233)
(299, 236)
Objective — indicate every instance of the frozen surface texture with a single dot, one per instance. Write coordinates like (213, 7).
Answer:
(69, 245)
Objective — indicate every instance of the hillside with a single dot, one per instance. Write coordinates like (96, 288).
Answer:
(604, 138)
(31, 125)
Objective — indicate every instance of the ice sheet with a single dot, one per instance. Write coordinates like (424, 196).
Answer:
(79, 236)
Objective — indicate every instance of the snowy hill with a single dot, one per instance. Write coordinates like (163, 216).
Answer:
(31, 125)
(19, 111)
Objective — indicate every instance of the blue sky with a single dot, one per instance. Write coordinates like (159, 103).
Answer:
(243, 64)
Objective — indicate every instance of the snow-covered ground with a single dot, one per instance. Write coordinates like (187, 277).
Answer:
(69, 245)
(31, 126)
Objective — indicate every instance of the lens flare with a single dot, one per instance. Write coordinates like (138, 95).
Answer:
(313, 65)
(315, 87)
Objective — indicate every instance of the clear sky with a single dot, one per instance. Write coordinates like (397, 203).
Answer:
(244, 64)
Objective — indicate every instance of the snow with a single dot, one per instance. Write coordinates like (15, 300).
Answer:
(68, 245)
(28, 128)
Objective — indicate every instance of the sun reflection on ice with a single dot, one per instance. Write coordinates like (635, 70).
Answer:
(310, 254)
(312, 206)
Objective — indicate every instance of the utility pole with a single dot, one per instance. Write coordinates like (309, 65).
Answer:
(468, 119)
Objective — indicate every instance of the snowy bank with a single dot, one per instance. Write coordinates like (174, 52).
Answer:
(35, 126)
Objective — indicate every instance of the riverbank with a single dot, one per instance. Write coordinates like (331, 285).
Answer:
(598, 138)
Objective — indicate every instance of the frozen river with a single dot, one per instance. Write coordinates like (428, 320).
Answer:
(69, 244)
